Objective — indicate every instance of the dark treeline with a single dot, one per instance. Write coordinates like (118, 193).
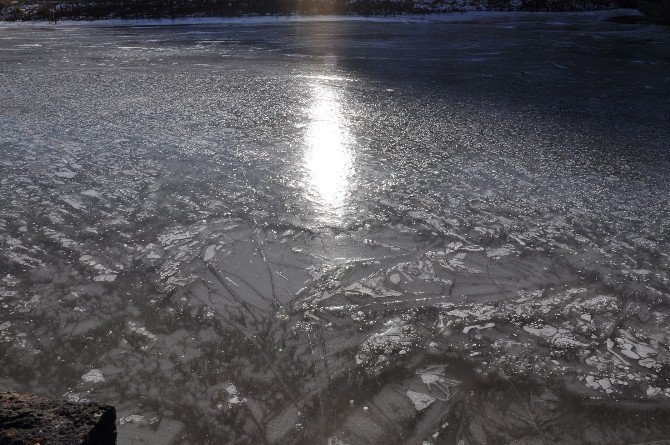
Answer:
(96, 9)
(54, 10)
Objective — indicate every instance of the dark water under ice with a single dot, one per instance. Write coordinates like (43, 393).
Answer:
(341, 232)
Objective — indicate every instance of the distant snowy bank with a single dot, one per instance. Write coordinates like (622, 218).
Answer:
(26, 10)
(454, 17)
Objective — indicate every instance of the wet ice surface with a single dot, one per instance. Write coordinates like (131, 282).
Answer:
(341, 232)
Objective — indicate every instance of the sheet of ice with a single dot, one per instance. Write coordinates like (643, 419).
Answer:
(255, 231)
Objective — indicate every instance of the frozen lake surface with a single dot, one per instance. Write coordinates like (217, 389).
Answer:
(340, 231)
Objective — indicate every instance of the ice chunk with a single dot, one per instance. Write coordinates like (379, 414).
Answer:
(420, 400)
(93, 376)
(106, 277)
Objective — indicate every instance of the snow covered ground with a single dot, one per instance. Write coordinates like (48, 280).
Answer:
(340, 230)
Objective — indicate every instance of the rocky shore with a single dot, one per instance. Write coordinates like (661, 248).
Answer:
(27, 419)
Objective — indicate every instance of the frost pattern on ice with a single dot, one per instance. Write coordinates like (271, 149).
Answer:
(93, 376)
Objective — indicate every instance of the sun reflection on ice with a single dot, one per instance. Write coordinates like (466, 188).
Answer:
(328, 156)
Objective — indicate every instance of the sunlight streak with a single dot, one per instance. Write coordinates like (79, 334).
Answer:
(328, 157)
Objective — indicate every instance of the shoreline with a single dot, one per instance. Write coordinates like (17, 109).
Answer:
(437, 18)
